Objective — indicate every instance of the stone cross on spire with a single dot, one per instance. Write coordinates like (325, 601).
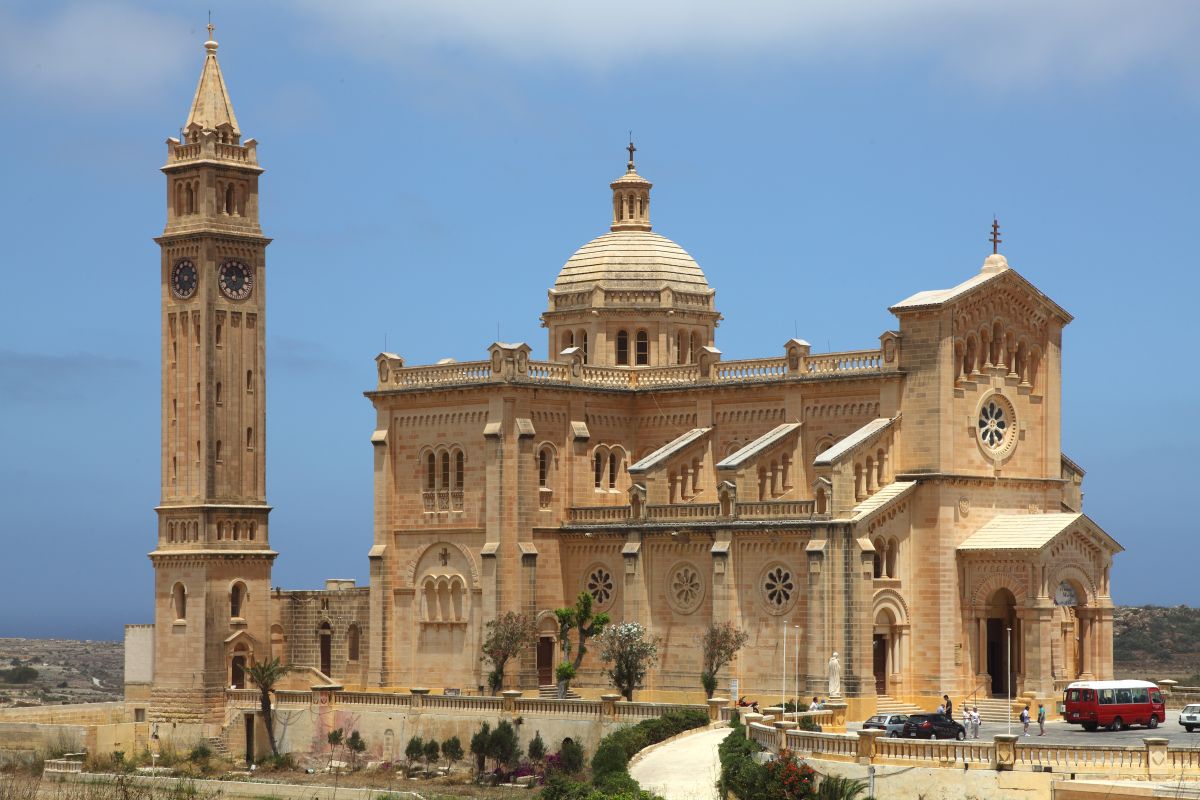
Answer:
(631, 150)
(995, 237)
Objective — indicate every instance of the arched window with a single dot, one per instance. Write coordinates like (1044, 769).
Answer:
(680, 348)
(642, 352)
(219, 396)
(249, 380)
(249, 438)
(229, 208)
(189, 196)
(878, 558)
(445, 471)
(612, 470)
(543, 467)
(459, 463)
(889, 566)
(179, 199)
(253, 526)
(599, 468)
(237, 596)
(179, 596)
(581, 338)
(217, 334)
(568, 340)
(691, 349)
(174, 468)
(623, 348)
(430, 472)
(786, 474)
(218, 451)
(352, 642)
(325, 648)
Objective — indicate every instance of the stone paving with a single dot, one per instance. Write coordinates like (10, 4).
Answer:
(686, 769)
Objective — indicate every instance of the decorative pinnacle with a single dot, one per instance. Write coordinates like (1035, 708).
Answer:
(995, 237)
(631, 150)
(211, 44)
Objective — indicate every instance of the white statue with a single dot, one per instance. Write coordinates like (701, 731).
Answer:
(835, 676)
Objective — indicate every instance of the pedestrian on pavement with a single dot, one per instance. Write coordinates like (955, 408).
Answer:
(1041, 719)
(949, 706)
(1025, 719)
(975, 721)
(966, 723)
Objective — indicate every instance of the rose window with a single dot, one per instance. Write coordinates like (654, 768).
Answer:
(993, 424)
(686, 588)
(778, 587)
(600, 586)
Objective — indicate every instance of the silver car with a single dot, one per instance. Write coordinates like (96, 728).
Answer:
(1189, 717)
(892, 723)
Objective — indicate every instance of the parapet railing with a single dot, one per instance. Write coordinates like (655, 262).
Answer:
(1154, 760)
(513, 366)
(690, 512)
(420, 700)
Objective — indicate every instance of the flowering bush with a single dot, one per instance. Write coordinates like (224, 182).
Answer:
(630, 654)
(792, 778)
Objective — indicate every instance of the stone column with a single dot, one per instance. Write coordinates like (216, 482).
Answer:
(866, 744)
(1156, 757)
(1085, 624)
(981, 674)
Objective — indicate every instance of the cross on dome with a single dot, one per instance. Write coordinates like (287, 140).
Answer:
(631, 198)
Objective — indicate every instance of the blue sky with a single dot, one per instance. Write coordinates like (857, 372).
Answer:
(430, 167)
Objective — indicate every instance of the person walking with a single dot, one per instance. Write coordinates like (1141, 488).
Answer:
(949, 706)
(1041, 718)
(966, 723)
(1025, 720)
(975, 720)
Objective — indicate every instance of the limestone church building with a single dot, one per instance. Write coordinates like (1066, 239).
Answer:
(903, 505)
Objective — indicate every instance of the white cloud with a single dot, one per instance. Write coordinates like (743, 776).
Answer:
(998, 42)
(90, 53)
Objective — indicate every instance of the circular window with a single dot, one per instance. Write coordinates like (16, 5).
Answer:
(779, 589)
(686, 588)
(599, 584)
(996, 426)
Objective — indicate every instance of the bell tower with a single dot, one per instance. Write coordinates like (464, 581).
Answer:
(213, 561)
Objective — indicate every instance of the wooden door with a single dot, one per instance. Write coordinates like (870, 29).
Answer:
(879, 658)
(545, 660)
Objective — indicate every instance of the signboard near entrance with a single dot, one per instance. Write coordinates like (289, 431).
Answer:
(733, 690)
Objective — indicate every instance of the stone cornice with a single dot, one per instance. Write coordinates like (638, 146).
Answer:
(158, 556)
(960, 479)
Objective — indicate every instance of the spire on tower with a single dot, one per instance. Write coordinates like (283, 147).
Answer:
(211, 108)
(631, 198)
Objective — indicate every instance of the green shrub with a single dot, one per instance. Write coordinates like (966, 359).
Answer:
(572, 757)
(537, 748)
(610, 757)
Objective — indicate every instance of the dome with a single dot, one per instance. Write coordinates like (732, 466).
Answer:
(631, 260)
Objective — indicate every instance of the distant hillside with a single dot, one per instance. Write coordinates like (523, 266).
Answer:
(1154, 642)
(52, 671)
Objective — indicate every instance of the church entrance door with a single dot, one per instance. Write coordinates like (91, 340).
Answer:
(879, 657)
(238, 672)
(249, 738)
(545, 660)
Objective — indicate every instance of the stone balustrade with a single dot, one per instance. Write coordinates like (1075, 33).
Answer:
(691, 512)
(1154, 760)
(394, 375)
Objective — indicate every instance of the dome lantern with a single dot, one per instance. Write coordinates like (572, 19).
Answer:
(631, 199)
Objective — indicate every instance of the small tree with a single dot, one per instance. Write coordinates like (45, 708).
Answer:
(505, 638)
(479, 746)
(503, 746)
(579, 618)
(629, 653)
(264, 675)
(356, 745)
(718, 645)
(452, 750)
(537, 748)
(335, 738)
(432, 753)
(414, 751)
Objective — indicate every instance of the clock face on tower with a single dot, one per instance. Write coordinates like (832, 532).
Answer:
(183, 279)
(235, 279)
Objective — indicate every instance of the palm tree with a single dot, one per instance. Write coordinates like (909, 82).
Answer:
(265, 675)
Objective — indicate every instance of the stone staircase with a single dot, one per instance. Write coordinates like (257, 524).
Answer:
(217, 745)
(550, 692)
(890, 705)
(992, 709)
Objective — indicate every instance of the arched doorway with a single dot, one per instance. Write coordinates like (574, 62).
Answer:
(882, 642)
(1003, 642)
(325, 637)
(237, 669)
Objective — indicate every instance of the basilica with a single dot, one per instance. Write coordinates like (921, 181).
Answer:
(906, 505)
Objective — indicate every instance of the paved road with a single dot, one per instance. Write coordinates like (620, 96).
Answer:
(1062, 733)
(686, 769)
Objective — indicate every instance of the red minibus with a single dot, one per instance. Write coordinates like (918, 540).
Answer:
(1114, 704)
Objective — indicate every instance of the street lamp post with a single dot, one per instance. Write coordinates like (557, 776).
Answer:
(797, 627)
(1008, 673)
(783, 680)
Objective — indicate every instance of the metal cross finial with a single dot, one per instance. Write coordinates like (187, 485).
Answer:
(211, 27)
(995, 239)
(631, 148)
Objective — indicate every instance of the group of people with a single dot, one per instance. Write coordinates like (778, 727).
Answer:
(970, 717)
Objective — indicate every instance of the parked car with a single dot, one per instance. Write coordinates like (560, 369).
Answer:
(892, 723)
(1189, 717)
(932, 726)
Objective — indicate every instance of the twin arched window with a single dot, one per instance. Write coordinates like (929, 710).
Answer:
(641, 352)
(886, 553)
(445, 473)
(606, 463)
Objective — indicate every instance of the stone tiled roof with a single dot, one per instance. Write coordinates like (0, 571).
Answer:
(755, 447)
(888, 494)
(1026, 532)
(631, 260)
(853, 440)
(667, 450)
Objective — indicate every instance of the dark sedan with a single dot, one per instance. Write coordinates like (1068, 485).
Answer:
(933, 726)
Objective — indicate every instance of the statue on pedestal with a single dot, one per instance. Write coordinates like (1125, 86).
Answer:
(835, 676)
